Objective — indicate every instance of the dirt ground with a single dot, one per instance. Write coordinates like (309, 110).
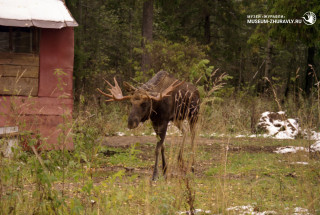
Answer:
(214, 147)
(213, 143)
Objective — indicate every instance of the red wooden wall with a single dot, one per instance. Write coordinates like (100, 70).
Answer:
(52, 108)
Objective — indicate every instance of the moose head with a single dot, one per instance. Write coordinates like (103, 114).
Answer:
(141, 100)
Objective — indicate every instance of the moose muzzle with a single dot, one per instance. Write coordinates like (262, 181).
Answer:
(133, 122)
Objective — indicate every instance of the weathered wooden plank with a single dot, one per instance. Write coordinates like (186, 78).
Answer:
(22, 87)
(49, 129)
(35, 106)
(40, 115)
(56, 52)
(18, 70)
(19, 59)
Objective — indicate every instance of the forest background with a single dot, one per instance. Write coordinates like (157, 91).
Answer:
(134, 39)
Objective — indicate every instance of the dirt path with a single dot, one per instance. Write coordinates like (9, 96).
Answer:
(209, 150)
(210, 143)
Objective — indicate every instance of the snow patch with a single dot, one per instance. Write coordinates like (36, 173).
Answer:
(311, 135)
(293, 149)
(276, 124)
(300, 162)
(248, 209)
(120, 134)
(259, 135)
(196, 211)
(240, 136)
(300, 211)
(290, 149)
(174, 130)
(315, 147)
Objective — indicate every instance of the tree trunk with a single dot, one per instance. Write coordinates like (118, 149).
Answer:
(240, 68)
(78, 45)
(131, 39)
(147, 21)
(268, 66)
(287, 90)
(309, 72)
(207, 33)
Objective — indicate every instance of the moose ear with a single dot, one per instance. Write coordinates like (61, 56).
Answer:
(128, 87)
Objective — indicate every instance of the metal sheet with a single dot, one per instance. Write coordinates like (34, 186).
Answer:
(37, 23)
(39, 13)
(16, 23)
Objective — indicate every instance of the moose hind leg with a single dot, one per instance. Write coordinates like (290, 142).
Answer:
(182, 127)
(193, 124)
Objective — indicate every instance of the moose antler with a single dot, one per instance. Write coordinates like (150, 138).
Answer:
(165, 93)
(116, 93)
(129, 87)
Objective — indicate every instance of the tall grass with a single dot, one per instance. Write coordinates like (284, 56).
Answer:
(227, 173)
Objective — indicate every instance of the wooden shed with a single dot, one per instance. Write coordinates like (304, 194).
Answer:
(36, 66)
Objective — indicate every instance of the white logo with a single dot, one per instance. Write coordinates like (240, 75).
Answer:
(309, 18)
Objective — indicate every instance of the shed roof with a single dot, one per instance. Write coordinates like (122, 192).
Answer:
(38, 13)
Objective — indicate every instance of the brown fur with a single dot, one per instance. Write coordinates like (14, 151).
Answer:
(182, 103)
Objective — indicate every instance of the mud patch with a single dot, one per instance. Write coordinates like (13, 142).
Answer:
(253, 149)
(209, 151)
(148, 143)
(127, 141)
(109, 153)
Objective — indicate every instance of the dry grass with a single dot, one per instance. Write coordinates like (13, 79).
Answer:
(103, 178)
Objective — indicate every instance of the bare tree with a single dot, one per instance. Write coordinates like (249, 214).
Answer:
(147, 29)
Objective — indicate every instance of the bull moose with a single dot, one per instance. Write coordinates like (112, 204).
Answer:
(162, 99)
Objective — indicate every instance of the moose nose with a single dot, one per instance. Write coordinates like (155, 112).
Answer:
(133, 123)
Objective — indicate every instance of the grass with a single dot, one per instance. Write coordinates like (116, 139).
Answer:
(102, 178)
(117, 180)
(125, 157)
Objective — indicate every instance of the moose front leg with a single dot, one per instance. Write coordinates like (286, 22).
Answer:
(164, 165)
(160, 130)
